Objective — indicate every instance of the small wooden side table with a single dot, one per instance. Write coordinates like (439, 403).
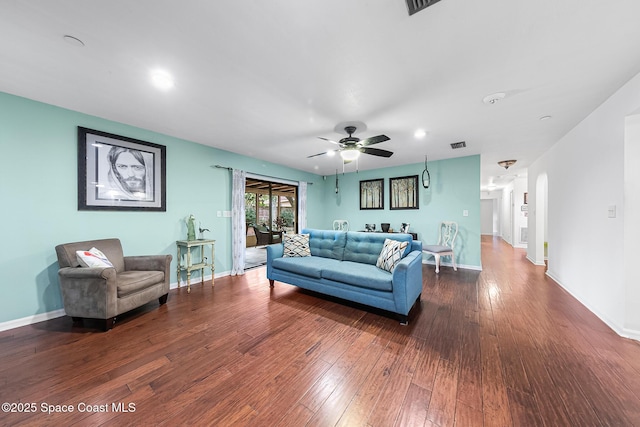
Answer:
(187, 245)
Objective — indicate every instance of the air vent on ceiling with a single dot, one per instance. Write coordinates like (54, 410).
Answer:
(457, 145)
(417, 5)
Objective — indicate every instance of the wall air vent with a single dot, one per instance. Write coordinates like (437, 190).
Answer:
(415, 6)
(457, 145)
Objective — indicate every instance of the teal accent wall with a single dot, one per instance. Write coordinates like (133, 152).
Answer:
(455, 187)
(38, 192)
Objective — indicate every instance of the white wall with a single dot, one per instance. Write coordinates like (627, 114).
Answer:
(520, 218)
(486, 216)
(506, 226)
(585, 173)
(632, 225)
(495, 196)
(512, 215)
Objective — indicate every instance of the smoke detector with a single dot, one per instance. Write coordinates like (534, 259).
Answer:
(494, 98)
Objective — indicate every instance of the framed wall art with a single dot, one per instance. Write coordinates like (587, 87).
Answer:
(120, 173)
(372, 194)
(404, 192)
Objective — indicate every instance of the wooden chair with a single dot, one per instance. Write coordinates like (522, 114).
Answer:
(447, 233)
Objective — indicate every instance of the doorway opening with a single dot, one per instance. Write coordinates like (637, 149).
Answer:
(271, 211)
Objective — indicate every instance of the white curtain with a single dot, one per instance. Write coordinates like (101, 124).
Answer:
(238, 225)
(302, 205)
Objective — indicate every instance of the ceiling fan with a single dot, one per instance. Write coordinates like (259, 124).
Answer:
(351, 146)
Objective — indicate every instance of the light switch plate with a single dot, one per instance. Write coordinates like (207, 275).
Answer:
(465, 213)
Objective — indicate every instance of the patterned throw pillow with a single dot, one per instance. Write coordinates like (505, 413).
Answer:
(391, 254)
(93, 258)
(296, 245)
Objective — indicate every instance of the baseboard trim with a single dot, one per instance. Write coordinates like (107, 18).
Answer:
(183, 283)
(37, 318)
(448, 264)
(622, 331)
(534, 262)
(30, 320)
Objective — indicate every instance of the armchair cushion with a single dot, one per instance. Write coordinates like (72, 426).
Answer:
(134, 281)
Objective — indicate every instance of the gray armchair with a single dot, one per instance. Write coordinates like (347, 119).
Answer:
(104, 293)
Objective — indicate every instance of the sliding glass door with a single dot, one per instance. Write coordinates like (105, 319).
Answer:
(271, 210)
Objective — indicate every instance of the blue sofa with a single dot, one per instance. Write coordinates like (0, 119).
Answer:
(343, 264)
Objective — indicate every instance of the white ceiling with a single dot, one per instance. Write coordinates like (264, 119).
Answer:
(266, 78)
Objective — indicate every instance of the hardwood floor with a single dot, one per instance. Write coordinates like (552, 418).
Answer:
(503, 347)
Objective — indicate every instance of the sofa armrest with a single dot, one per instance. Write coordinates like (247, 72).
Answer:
(148, 263)
(273, 251)
(407, 281)
(89, 292)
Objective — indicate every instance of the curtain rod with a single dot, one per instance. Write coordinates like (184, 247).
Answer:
(257, 174)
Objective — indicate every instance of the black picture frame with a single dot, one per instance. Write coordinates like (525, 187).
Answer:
(372, 194)
(117, 173)
(404, 192)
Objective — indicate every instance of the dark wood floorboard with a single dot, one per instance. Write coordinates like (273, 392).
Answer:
(502, 347)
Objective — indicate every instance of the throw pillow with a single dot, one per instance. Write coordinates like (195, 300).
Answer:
(391, 254)
(93, 258)
(296, 245)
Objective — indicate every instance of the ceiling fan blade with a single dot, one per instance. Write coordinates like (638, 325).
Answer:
(328, 140)
(376, 152)
(314, 155)
(374, 140)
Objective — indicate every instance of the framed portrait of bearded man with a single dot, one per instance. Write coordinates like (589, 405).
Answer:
(120, 173)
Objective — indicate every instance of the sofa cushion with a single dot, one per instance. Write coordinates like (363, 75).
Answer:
(296, 245)
(311, 266)
(130, 282)
(326, 243)
(391, 254)
(361, 275)
(366, 247)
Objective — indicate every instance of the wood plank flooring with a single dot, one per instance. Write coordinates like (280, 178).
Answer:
(502, 347)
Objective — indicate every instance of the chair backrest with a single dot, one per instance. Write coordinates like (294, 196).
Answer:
(112, 248)
(447, 233)
(341, 225)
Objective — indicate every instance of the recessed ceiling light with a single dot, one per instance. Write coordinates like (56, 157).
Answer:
(545, 118)
(420, 133)
(73, 40)
(493, 98)
(162, 80)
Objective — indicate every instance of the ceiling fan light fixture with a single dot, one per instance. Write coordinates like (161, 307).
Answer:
(350, 154)
(331, 153)
(507, 163)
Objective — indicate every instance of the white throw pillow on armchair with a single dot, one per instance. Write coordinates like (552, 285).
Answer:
(93, 258)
